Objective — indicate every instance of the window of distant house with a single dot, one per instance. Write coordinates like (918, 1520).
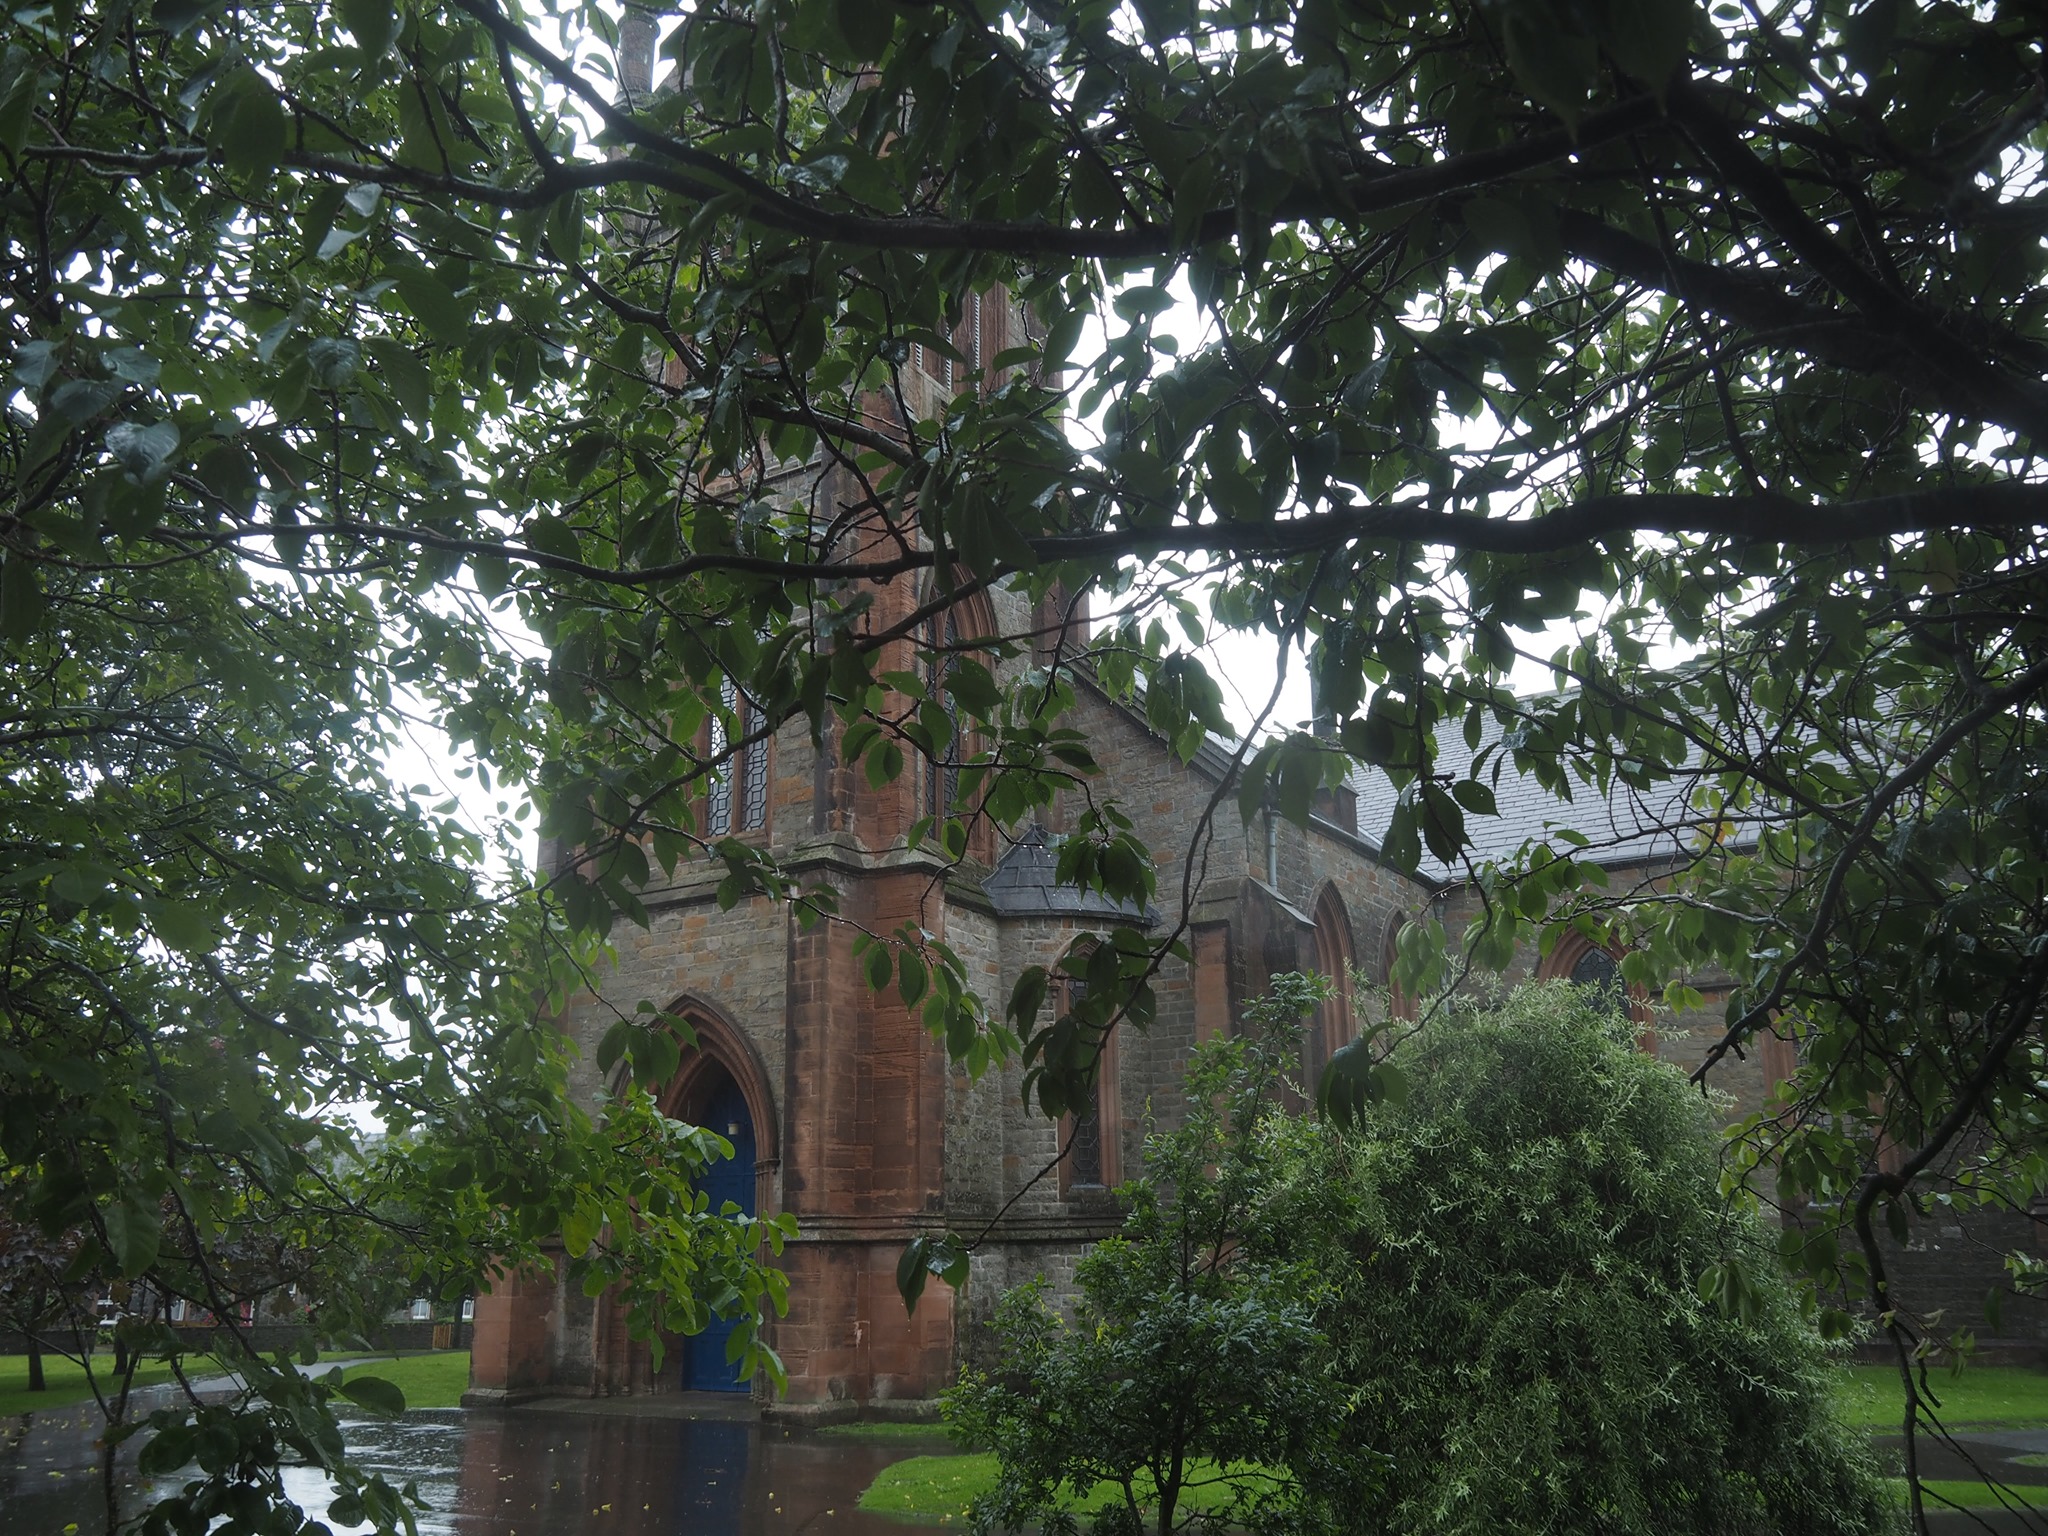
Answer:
(469, 1309)
(1089, 1135)
(736, 794)
(422, 1310)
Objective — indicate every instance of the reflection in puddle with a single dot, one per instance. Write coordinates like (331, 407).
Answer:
(523, 1473)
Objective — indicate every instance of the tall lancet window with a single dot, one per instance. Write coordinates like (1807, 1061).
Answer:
(1089, 1134)
(736, 798)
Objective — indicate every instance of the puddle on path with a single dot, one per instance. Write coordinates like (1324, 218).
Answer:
(528, 1473)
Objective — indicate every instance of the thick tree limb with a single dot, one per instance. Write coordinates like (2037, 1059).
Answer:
(1978, 386)
(1766, 519)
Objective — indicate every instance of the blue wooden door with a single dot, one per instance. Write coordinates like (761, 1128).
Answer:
(705, 1368)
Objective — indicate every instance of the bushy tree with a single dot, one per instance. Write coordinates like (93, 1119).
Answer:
(1554, 1320)
(1507, 1296)
(1194, 1376)
(229, 936)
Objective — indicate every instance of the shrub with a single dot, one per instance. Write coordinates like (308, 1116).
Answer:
(1508, 1297)
(1556, 1321)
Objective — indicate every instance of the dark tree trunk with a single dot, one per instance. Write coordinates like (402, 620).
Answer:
(35, 1361)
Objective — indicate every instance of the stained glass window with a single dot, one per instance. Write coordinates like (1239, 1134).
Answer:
(1084, 1151)
(742, 782)
(718, 796)
(1598, 969)
(754, 782)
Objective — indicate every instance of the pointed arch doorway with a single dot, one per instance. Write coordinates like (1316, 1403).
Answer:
(722, 1107)
(722, 1085)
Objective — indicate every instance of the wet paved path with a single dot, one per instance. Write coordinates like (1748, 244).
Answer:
(527, 1472)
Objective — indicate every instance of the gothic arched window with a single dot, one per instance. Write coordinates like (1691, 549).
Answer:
(1094, 1155)
(1586, 964)
(1334, 1024)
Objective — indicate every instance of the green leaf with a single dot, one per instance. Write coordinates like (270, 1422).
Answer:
(372, 1393)
(1647, 38)
(1475, 796)
(22, 606)
(252, 132)
(135, 1231)
(1556, 63)
(868, 26)
(372, 23)
(912, 1273)
(876, 964)
(911, 976)
(1443, 822)
(142, 450)
(333, 361)
(434, 304)
(184, 925)
(1350, 1084)
(404, 375)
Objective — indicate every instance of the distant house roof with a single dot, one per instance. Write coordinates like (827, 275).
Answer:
(1025, 883)
(1624, 826)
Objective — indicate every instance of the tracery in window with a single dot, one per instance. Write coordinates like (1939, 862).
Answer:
(1584, 963)
(1597, 969)
(718, 794)
(736, 796)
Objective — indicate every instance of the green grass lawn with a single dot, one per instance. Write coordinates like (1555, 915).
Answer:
(428, 1379)
(942, 1488)
(64, 1381)
(1870, 1395)
(1947, 1492)
(433, 1380)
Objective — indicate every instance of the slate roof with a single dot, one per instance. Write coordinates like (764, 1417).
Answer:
(1025, 883)
(1629, 826)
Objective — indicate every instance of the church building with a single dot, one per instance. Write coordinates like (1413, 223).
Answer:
(845, 1113)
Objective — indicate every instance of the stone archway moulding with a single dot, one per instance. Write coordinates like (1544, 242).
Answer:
(720, 1043)
(1574, 947)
